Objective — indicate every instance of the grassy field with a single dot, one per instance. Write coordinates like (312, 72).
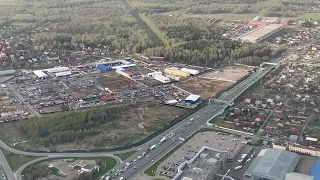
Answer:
(313, 16)
(124, 156)
(105, 164)
(134, 124)
(15, 160)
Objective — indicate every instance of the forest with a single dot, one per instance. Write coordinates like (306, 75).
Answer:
(69, 126)
(281, 8)
(142, 26)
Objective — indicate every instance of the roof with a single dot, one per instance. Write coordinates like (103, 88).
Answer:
(57, 69)
(65, 73)
(311, 139)
(40, 73)
(260, 32)
(8, 72)
(315, 171)
(192, 97)
(297, 176)
(274, 163)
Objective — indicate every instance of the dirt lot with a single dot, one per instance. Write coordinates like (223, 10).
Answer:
(206, 88)
(134, 124)
(229, 74)
(115, 82)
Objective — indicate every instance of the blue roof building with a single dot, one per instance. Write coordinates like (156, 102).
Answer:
(192, 99)
(315, 171)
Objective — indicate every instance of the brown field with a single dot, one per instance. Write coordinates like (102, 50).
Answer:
(206, 88)
(229, 74)
(136, 123)
(115, 82)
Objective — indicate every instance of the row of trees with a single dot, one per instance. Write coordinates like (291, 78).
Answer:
(69, 126)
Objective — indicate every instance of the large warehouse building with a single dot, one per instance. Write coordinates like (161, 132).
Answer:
(262, 33)
(272, 164)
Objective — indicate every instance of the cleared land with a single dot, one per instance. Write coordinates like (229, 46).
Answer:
(228, 74)
(134, 124)
(206, 88)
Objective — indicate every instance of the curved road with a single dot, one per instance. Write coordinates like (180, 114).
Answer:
(17, 174)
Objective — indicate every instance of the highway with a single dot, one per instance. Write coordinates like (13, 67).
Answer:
(183, 129)
(5, 168)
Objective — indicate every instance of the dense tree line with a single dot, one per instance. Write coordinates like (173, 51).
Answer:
(69, 126)
(275, 8)
(216, 52)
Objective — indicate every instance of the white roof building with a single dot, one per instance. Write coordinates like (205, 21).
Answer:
(65, 73)
(40, 74)
(191, 71)
(57, 69)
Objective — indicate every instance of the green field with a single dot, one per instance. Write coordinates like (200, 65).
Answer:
(313, 16)
(124, 156)
(15, 160)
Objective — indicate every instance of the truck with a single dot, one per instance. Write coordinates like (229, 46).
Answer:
(153, 147)
(237, 168)
(163, 139)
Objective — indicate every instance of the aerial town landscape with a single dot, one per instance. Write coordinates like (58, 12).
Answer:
(159, 90)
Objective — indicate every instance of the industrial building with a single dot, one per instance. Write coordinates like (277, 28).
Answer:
(315, 171)
(311, 141)
(57, 69)
(104, 68)
(203, 166)
(10, 72)
(176, 72)
(108, 65)
(191, 71)
(124, 72)
(151, 75)
(272, 164)
(261, 33)
(192, 99)
(297, 176)
(40, 74)
(308, 150)
(57, 72)
(162, 78)
(62, 74)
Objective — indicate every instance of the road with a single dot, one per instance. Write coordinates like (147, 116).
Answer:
(184, 129)
(28, 105)
(17, 174)
(5, 167)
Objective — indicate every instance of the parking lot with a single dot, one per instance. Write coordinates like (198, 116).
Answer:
(215, 140)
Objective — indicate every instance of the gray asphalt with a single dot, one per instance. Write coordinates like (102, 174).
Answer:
(184, 130)
(5, 167)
